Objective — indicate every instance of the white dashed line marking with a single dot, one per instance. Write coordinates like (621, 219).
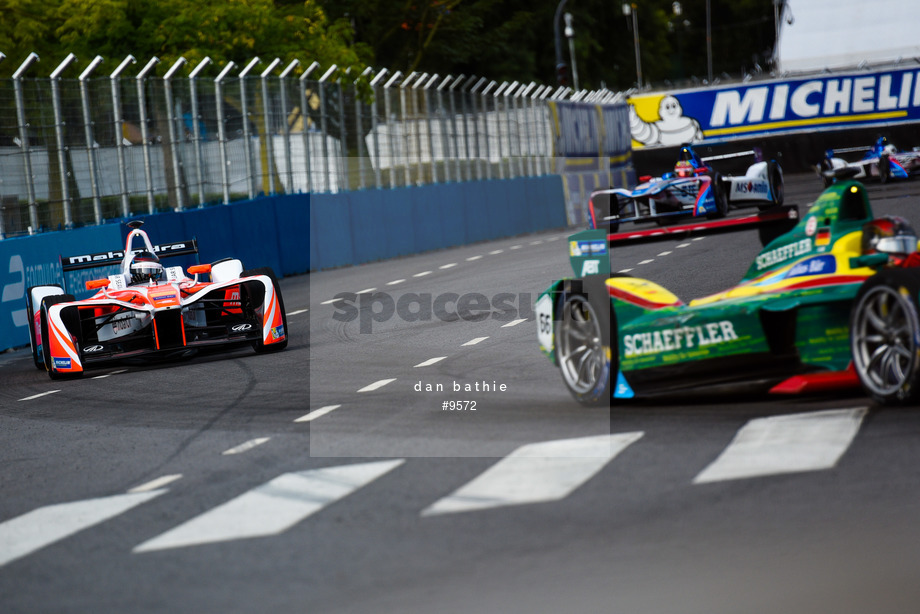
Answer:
(496, 252)
(697, 238)
(683, 245)
(552, 238)
(366, 291)
(516, 247)
(246, 446)
(332, 300)
(422, 274)
(430, 361)
(115, 372)
(377, 384)
(472, 258)
(665, 254)
(475, 341)
(647, 261)
(317, 413)
(157, 483)
(298, 312)
(513, 323)
(536, 242)
(395, 281)
(624, 270)
(40, 394)
(448, 266)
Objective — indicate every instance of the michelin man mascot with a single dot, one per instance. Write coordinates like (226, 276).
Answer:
(672, 129)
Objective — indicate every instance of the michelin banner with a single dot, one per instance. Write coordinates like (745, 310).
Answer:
(837, 101)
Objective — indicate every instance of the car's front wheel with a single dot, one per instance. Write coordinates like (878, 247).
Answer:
(885, 337)
(720, 197)
(259, 345)
(585, 348)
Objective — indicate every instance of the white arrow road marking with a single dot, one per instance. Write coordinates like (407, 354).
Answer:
(273, 507)
(25, 534)
(535, 473)
(786, 444)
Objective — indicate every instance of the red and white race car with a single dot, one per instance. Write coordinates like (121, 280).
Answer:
(147, 310)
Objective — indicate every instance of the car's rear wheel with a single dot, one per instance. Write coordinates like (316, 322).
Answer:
(777, 188)
(585, 349)
(885, 337)
(718, 194)
(827, 166)
(34, 296)
(884, 168)
(259, 345)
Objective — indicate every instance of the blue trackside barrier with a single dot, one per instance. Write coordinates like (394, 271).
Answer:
(294, 233)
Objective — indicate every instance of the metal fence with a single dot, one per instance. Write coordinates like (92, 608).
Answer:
(78, 151)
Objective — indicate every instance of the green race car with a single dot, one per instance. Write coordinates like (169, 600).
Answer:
(831, 303)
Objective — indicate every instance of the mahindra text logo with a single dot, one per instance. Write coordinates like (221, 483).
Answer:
(241, 327)
(370, 307)
(92, 348)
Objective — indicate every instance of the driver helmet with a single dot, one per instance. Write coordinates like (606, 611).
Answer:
(145, 267)
(684, 168)
(889, 235)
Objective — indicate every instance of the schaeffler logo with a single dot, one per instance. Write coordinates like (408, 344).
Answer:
(373, 307)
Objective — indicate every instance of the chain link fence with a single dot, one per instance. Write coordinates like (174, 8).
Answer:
(79, 151)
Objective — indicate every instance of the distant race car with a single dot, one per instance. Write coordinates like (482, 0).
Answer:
(834, 302)
(693, 188)
(148, 311)
(882, 161)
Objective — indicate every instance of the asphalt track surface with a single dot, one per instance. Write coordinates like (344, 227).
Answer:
(201, 486)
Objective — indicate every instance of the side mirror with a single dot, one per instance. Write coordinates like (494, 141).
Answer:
(869, 260)
(199, 268)
(93, 284)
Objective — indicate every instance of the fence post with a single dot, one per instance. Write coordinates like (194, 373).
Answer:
(453, 126)
(444, 131)
(405, 122)
(173, 138)
(485, 131)
(417, 123)
(322, 124)
(196, 126)
(545, 133)
(282, 84)
(498, 128)
(145, 131)
(222, 131)
(359, 128)
(391, 142)
(509, 106)
(247, 137)
(88, 133)
(59, 137)
(266, 117)
(305, 117)
(427, 102)
(525, 118)
(374, 82)
(343, 134)
(24, 140)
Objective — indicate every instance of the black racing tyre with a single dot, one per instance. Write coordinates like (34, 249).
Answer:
(718, 194)
(36, 353)
(258, 345)
(826, 165)
(777, 187)
(884, 168)
(603, 207)
(885, 337)
(47, 302)
(586, 346)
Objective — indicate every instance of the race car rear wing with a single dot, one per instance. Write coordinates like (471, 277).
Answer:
(756, 152)
(91, 261)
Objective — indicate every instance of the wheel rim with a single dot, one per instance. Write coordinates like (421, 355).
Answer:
(884, 345)
(581, 352)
